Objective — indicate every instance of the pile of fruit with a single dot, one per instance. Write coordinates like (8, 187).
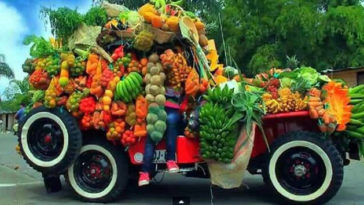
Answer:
(119, 79)
(304, 89)
(120, 86)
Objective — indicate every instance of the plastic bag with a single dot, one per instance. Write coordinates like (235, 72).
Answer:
(229, 176)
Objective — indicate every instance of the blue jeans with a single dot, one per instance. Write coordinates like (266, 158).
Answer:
(172, 131)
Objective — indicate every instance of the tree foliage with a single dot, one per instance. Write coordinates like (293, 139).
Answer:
(16, 93)
(320, 33)
(5, 69)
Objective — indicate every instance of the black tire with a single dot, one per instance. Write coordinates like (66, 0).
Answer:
(90, 177)
(304, 168)
(49, 140)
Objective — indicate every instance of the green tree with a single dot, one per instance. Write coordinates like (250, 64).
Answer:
(321, 33)
(16, 93)
(5, 70)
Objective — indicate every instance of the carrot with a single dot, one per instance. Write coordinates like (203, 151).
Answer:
(314, 99)
(326, 118)
(321, 112)
(313, 114)
(314, 104)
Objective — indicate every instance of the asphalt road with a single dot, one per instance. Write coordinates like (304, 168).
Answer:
(21, 185)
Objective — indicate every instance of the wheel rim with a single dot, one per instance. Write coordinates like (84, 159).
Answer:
(45, 139)
(300, 170)
(290, 194)
(93, 171)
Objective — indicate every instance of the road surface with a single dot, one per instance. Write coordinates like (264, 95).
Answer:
(21, 185)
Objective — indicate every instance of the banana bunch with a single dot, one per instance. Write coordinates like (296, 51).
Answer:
(219, 95)
(129, 88)
(217, 138)
(355, 127)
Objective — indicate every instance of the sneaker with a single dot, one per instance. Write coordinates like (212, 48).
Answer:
(143, 178)
(172, 166)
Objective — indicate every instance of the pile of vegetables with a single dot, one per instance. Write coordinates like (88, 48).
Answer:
(112, 72)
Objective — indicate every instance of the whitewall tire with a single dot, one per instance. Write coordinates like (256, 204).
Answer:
(100, 173)
(49, 140)
(303, 168)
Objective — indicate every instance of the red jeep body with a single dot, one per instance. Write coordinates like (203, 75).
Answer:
(274, 125)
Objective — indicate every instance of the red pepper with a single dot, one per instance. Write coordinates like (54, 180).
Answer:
(118, 53)
(107, 117)
(88, 105)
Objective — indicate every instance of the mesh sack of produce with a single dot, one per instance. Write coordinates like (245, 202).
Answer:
(229, 176)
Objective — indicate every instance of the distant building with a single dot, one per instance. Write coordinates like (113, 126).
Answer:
(352, 76)
(7, 120)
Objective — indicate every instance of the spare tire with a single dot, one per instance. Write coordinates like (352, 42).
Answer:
(50, 139)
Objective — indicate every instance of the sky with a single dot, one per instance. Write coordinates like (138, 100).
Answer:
(19, 18)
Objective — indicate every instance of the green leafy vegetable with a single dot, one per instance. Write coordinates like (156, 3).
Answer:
(40, 47)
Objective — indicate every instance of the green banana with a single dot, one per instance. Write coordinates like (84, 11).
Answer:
(356, 89)
(359, 115)
(354, 134)
(356, 122)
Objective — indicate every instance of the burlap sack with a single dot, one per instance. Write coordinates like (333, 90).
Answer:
(113, 10)
(85, 37)
(229, 176)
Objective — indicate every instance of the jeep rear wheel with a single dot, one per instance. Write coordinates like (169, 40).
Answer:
(100, 173)
(304, 169)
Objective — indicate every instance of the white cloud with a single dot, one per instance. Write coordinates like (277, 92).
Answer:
(12, 33)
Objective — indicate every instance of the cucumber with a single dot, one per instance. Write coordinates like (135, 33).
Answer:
(359, 115)
(354, 134)
(356, 122)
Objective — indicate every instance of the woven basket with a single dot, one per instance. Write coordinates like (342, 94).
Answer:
(162, 36)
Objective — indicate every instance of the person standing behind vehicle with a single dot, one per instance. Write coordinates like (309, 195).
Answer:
(20, 114)
(174, 119)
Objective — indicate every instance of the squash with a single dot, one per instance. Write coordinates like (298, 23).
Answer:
(173, 23)
(157, 21)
